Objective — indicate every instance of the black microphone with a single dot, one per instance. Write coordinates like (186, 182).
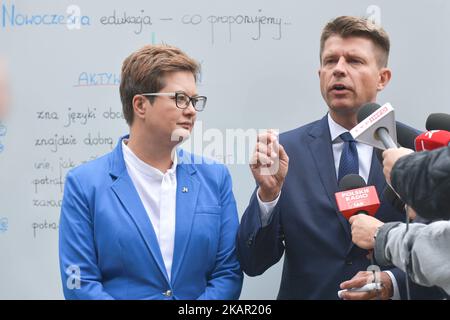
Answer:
(438, 121)
(351, 181)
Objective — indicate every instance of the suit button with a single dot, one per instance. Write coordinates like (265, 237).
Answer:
(250, 241)
(168, 293)
(348, 262)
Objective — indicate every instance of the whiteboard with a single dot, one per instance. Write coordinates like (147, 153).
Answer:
(259, 70)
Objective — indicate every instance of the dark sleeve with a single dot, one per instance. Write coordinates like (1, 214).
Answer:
(259, 247)
(422, 179)
(392, 246)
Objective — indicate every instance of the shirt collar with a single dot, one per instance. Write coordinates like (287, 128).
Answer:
(145, 167)
(335, 129)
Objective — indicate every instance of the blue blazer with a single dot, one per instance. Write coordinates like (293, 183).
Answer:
(107, 242)
(306, 224)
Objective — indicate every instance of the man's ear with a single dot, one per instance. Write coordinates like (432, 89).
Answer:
(140, 106)
(385, 75)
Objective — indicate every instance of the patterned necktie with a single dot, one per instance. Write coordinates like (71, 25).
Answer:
(349, 157)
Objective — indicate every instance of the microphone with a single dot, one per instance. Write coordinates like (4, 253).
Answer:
(354, 197)
(406, 135)
(376, 126)
(438, 121)
(367, 110)
(433, 139)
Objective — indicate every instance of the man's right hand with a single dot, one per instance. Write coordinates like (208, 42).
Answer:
(269, 165)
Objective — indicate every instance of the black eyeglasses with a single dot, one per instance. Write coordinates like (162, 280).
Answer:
(182, 100)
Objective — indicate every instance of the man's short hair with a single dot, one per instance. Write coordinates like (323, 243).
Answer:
(347, 26)
(144, 71)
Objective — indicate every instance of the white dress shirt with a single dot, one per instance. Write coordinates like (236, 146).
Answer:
(365, 161)
(157, 191)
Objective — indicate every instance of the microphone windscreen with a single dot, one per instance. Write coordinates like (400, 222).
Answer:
(366, 110)
(438, 121)
(351, 181)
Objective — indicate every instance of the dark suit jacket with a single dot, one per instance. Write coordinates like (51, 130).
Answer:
(306, 225)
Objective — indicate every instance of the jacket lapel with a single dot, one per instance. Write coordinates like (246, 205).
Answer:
(376, 178)
(187, 194)
(126, 192)
(321, 149)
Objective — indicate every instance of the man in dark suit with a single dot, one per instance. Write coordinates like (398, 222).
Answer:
(295, 213)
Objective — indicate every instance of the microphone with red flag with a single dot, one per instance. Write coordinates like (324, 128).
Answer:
(433, 139)
(355, 197)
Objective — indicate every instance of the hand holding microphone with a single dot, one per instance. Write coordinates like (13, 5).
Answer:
(364, 228)
(354, 197)
(359, 203)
